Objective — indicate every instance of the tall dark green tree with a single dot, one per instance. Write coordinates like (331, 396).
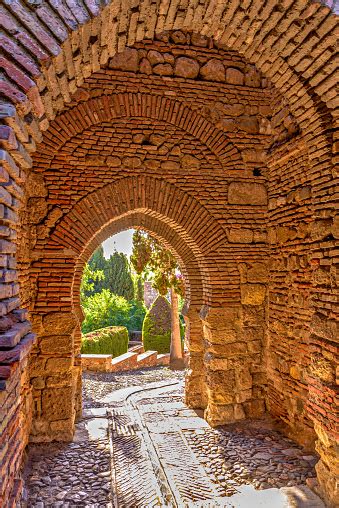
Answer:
(118, 277)
(117, 273)
(98, 263)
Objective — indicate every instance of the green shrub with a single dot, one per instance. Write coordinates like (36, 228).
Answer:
(156, 330)
(104, 309)
(112, 340)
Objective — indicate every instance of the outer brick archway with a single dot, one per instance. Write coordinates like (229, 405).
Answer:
(269, 188)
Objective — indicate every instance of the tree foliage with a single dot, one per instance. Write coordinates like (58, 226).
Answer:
(90, 278)
(117, 273)
(107, 309)
(149, 255)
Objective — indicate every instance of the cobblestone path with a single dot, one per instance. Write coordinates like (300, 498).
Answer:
(138, 445)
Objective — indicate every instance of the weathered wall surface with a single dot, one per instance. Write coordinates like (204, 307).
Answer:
(224, 150)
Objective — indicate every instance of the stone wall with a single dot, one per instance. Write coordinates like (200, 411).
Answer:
(190, 136)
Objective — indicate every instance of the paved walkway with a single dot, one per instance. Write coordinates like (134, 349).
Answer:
(140, 446)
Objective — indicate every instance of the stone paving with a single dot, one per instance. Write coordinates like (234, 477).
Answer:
(138, 445)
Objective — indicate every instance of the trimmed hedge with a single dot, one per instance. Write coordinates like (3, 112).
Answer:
(156, 329)
(112, 340)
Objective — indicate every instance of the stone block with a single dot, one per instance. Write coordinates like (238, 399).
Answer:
(257, 272)
(186, 68)
(217, 414)
(163, 69)
(155, 57)
(57, 403)
(59, 323)
(190, 162)
(61, 344)
(126, 61)
(253, 294)
(234, 76)
(246, 193)
(58, 364)
(240, 236)
(213, 70)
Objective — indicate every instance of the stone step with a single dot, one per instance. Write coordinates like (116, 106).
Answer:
(163, 359)
(137, 349)
(96, 363)
(127, 361)
(147, 359)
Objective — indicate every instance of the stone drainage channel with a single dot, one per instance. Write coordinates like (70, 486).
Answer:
(145, 448)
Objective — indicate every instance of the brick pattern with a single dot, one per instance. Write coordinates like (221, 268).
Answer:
(206, 107)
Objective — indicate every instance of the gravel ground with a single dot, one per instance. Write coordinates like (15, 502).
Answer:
(249, 453)
(78, 474)
(96, 385)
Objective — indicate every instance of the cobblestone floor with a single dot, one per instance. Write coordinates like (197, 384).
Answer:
(150, 450)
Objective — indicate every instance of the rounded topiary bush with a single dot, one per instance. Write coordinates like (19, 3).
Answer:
(156, 329)
(112, 340)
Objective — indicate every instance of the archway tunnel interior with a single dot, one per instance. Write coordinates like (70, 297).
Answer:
(184, 136)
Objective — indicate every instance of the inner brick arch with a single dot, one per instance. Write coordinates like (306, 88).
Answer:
(293, 45)
(143, 201)
(196, 285)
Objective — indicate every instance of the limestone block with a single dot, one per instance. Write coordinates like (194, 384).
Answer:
(179, 37)
(231, 109)
(246, 193)
(221, 386)
(244, 395)
(190, 162)
(252, 78)
(227, 125)
(186, 68)
(253, 294)
(213, 70)
(228, 350)
(59, 380)
(155, 57)
(254, 408)
(199, 40)
(59, 323)
(240, 236)
(221, 336)
(56, 344)
(255, 346)
(170, 165)
(113, 162)
(126, 61)
(38, 383)
(57, 403)
(239, 413)
(248, 124)
(244, 378)
(257, 272)
(163, 69)
(215, 363)
(217, 414)
(58, 364)
(234, 76)
(322, 368)
(222, 318)
(145, 67)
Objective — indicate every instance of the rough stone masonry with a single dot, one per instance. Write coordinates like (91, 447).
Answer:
(210, 125)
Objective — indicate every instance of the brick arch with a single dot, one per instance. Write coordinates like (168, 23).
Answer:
(287, 45)
(158, 108)
(142, 200)
(292, 45)
(195, 274)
